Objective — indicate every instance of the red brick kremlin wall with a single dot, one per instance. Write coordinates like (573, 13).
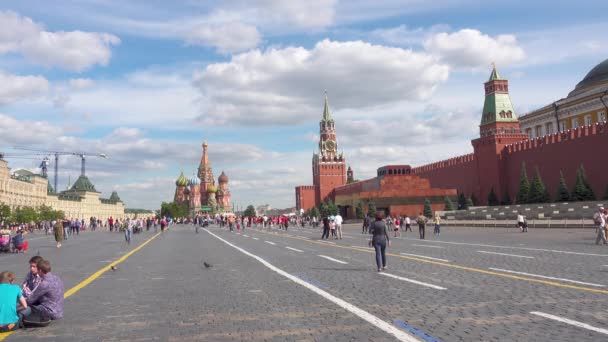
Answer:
(566, 151)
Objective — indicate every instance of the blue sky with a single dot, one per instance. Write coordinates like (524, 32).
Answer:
(147, 81)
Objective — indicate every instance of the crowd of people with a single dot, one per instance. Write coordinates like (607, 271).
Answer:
(37, 302)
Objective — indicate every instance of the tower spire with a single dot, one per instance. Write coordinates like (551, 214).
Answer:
(326, 112)
(494, 75)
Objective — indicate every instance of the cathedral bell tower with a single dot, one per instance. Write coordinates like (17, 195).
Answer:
(499, 127)
(328, 166)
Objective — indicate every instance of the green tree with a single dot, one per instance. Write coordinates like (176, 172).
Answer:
(250, 211)
(323, 209)
(462, 201)
(524, 186)
(359, 211)
(428, 211)
(449, 206)
(469, 203)
(506, 198)
(538, 192)
(5, 213)
(562, 190)
(492, 198)
(590, 193)
(332, 209)
(25, 215)
(314, 212)
(582, 191)
(46, 213)
(371, 208)
(474, 199)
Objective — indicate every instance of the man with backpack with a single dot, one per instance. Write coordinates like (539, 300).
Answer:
(421, 220)
(600, 220)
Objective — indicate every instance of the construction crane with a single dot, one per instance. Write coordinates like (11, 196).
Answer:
(56, 154)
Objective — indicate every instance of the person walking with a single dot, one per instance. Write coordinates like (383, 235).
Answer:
(380, 240)
(600, 220)
(338, 219)
(437, 229)
(520, 221)
(421, 220)
(408, 224)
(58, 232)
(129, 231)
(366, 223)
(325, 234)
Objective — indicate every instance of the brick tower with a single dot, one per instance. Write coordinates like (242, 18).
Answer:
(328, 167)
(499, 127)
(205, 174)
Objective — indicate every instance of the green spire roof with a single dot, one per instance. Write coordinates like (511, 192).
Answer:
(494, 75)
(83, 184)
(114, 197)
(326, 112)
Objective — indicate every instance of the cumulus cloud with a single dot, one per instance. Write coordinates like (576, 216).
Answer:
(72, 50)
(226, 38)
(285, 85)
(470, 48)
(14, 88)
(15, 132)
(403, 35)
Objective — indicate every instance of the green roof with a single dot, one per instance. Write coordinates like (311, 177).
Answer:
(326, 112)
(83, 184)
(114, 197)
(494, 75)
(493, 105)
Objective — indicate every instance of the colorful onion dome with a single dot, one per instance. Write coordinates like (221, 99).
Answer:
(194, 181)
(223, 178)
(211, 189)
(181, 180)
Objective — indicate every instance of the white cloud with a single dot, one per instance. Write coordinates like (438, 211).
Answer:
(16, 132)
(226, 38)
(81, 83)
(14, 88)
(285, 86)
(471, 49)
(73, 50)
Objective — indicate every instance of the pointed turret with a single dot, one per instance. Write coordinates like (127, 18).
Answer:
(497, 106)
(326, 111)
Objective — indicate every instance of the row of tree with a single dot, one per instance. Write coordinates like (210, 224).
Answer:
(28, 214)
(535, 191)
(174, 209)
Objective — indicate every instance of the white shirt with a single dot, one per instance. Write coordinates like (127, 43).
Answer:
(520, 218)
(407, 220)
(602, 220)
(338, 219)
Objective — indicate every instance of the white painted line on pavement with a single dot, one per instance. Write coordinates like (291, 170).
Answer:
(270, 242)
(505, 254)
(293, 249)
(333, 243)
(334, 260)
(427, 246)
(546, 277)
(413, 281)
(426, 257)
(368, 317)
(511, 247)
(571, 322)
(245, 235)
(255, 238)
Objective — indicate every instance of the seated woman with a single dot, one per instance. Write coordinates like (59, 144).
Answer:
(46, 301)
(19, 241)
(33, 278)
(9, 296)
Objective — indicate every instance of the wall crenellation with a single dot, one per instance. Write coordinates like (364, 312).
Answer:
(559, 137)
(444, 163)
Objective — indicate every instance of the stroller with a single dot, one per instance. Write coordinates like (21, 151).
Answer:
(5, 241)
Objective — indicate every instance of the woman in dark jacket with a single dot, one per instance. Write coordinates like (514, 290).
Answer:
(379, 240)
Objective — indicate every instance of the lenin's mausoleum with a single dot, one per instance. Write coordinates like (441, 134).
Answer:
(499, 153)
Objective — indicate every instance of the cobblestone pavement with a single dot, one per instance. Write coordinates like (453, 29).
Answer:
(467, 284)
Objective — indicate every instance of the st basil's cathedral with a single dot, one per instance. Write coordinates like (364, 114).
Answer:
(201, 193)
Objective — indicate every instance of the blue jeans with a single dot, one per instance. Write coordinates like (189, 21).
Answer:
(128, 233)
(380, 247)
(437, 229)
